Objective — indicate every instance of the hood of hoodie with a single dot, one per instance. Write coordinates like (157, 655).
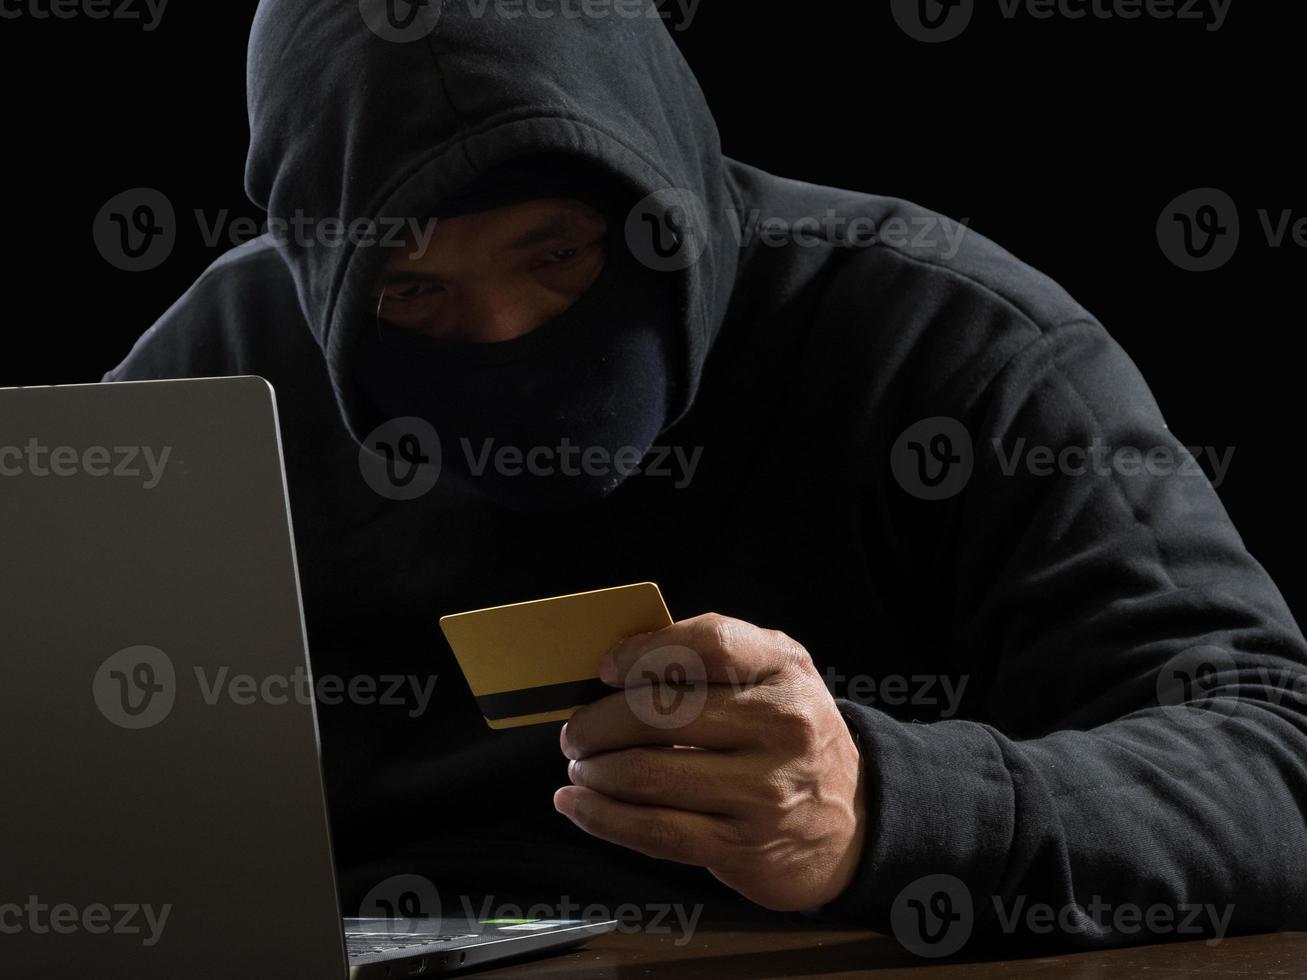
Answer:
(354, 120)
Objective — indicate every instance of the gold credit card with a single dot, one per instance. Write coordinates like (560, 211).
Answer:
(533, 662)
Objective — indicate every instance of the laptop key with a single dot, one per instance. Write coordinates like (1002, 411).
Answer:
(382, 942)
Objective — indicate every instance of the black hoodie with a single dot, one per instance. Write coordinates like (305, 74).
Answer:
(1055, 608)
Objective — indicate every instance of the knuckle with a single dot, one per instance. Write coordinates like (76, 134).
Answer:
(794, 654)
(794, 724)
(772, 791)
(718, 631)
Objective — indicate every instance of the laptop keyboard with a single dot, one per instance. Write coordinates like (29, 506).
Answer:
(369, 943)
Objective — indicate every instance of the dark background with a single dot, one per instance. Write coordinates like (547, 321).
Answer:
(1061, 139)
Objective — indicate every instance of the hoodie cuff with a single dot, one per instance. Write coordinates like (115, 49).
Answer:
(940, 800)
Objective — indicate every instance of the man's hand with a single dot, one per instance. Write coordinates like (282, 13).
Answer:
(726, 750)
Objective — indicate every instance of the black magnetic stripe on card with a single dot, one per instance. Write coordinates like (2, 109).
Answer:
(539, 700)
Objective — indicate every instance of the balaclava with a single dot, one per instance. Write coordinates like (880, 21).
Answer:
(581, 398)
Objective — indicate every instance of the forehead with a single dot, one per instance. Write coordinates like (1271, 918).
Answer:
(487, 235)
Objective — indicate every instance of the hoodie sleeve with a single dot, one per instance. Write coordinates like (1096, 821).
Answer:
(1136, 763)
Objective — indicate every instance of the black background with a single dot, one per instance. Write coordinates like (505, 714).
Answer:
(1061, 139)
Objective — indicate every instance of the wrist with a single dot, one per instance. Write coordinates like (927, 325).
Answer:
(851, 844)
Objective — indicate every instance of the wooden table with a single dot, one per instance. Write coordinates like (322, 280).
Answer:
(724, 953)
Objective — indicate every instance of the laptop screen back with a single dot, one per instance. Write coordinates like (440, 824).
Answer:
(161, 808)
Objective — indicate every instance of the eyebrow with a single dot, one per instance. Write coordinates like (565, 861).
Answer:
(553, 230)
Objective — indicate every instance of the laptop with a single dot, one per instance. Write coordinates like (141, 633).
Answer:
(162, 811)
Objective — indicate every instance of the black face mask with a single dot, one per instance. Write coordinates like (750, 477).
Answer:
(553, 419)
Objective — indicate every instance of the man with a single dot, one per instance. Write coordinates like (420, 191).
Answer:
(967, 619)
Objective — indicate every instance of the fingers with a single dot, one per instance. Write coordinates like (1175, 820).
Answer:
(709, 648)
(659, 832)
(684, 779)
(723, 749)
(701, 716)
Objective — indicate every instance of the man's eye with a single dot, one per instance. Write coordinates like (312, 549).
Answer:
(565, 256)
